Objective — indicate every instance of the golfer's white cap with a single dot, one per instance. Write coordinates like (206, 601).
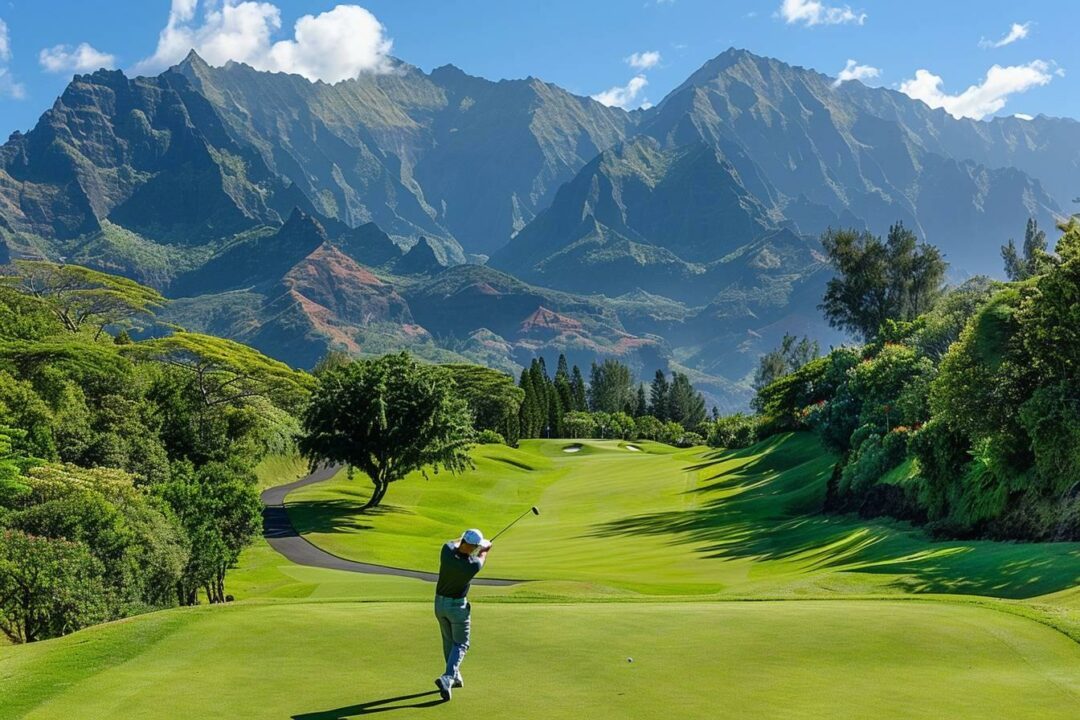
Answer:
(473, 537)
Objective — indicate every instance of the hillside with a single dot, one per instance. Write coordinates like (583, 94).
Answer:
(703, 209)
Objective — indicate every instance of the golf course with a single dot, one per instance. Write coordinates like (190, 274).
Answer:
(655, 582)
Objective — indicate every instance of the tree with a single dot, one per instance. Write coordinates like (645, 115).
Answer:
(13, 466)
(548, 411)
(877, 281)
(218, 506)
(48, 587)
(641, 405)
(611, 387)
(791, 355)
(578, 391)
(658, 397)
(140, 550)
(564, 390)
(579, 424)
(493, 398)
(531, 412)
(81, 297)
(1034, 260)
(687, 405)
(217, 398)
(387, 417)
(649, 428)
(225, 372)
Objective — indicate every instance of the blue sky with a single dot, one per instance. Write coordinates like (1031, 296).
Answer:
(975, 58)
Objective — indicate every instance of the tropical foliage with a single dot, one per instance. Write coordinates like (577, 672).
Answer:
(966, 415)
(122, 480)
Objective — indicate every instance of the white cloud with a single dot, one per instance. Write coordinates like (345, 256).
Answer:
(853, 71)
(644, 60)
(8, 85)
(5, 42)
(1023, 116)
(1018, 31)
(336, 45)
(84, 58)
(983, 99)
(814, 12)
(622, 96)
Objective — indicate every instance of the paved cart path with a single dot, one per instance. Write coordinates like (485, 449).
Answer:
(282, 536)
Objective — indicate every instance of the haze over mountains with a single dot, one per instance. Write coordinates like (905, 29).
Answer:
(302, 216)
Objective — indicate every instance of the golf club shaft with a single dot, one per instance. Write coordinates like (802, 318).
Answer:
(511, 524)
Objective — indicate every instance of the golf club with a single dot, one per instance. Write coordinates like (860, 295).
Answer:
(534, 510)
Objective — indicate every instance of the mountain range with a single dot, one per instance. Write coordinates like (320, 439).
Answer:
(465, 218)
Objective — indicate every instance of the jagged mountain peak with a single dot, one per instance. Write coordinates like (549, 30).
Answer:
(301, 223)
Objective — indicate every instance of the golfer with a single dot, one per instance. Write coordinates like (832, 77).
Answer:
(458, 564)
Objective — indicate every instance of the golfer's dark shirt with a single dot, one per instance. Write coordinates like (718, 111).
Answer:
(456, 572)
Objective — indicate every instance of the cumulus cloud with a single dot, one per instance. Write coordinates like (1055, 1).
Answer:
(622, 96)
(854, 71)
(1018, 31)
(8, 85)
(983, 99)
(84, 58)
(336, 45)
(644, 60)
(814, 12)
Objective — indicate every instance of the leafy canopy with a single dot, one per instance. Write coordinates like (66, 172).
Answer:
(81, 297)
(388, 417)
(876, 281)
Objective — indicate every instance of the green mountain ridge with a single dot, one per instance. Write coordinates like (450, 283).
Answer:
(305, 216)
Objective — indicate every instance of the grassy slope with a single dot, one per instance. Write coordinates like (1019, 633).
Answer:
(280, 470)
(768, 659)
(660, 522)
(316, 644)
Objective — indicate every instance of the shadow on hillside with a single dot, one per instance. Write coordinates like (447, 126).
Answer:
(373, 706)
(768, 509)
(335, 516)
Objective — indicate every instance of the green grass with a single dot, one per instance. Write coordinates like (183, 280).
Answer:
(712, 570)
(767, 659)
(280, 470)
(665, 522)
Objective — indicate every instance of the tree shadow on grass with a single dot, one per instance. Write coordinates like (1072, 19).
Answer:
(767, 508)
(373, 706)
(335, 516)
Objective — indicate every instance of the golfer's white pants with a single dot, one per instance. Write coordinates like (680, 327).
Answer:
(453, 616)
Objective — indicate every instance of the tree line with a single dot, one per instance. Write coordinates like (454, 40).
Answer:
(126, 479)
(611, 404)
(961, 408)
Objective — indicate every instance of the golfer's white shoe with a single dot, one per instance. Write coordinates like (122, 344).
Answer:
(444, 683)
(459, 682)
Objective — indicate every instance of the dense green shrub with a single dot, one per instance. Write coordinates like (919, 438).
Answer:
(490, 437)
(734, 431)
(48, 587)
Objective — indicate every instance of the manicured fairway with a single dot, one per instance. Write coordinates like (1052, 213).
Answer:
(665, 522)
(813, 659)
(697, 564)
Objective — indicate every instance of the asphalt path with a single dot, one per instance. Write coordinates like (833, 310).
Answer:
(282, 536)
